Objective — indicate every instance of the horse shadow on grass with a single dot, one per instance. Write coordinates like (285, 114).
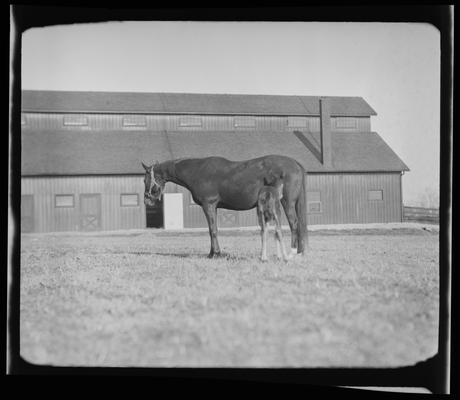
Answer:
(178, 255)
(159, 253)
(153, 253)
(222, 256)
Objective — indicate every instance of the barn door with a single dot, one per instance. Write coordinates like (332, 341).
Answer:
(27, 213)
(154, 215)
(227, 218)
(90, 212)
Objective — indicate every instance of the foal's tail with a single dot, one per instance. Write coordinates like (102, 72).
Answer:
(301, 211)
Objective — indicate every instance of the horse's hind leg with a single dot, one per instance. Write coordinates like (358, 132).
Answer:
(289, 209)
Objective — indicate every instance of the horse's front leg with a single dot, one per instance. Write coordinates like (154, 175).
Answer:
(210, 211)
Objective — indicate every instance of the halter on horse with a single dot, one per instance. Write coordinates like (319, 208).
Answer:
(216, 182)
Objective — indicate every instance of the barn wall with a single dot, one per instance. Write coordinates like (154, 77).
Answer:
(360, 124)
(344, 200)
(49, 218)
(55, 121)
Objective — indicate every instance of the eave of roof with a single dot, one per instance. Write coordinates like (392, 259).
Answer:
(188, 103)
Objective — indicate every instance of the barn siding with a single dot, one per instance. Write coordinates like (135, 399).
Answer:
(344, 199)
(54, 121)
(113, 216)
(363, 124)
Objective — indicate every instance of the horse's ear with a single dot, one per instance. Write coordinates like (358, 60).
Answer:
(147, 168)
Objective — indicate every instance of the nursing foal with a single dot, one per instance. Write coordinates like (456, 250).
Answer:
(269, 210)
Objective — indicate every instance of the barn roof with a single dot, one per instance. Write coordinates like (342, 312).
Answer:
(188, 103)
(107, 152)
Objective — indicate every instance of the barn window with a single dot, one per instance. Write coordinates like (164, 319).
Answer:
(345, 123)
(75, 120)
(129, 200)
(190, 121)
(314, 205)
(64, 200)
(134, 120)
(297, 122)
(244, 122)
(375, 195)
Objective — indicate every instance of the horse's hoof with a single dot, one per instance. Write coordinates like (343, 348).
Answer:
(300, 256)
(263, 259)
(214, 255)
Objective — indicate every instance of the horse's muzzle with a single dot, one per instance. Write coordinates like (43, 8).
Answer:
(149, 200)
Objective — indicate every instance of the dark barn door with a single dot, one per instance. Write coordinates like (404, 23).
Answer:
(27, 213)
(90, 212)
(154, 216)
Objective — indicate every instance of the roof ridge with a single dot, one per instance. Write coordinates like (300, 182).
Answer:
(302, 96)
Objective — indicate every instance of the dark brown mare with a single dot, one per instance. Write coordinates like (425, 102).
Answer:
(216, 182)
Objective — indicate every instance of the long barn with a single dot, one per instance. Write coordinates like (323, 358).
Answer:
(82, 152)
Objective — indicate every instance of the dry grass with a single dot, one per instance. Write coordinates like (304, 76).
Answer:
(154, 299)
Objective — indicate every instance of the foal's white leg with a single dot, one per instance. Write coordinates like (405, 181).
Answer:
(280, 243)
(264, 234)
(279, 239)
(263, 238)
(278, 249)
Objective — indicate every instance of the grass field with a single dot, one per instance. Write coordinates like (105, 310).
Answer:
(152, 298)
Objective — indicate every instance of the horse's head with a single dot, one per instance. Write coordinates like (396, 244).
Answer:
(154, 185)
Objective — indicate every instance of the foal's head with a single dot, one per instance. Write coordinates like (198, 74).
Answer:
(154, 184)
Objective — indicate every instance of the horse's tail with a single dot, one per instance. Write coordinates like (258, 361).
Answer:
(301, 211)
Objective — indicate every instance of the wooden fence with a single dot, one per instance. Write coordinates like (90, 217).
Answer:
(420, 214)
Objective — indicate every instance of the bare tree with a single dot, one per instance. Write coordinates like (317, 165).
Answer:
(429, 197)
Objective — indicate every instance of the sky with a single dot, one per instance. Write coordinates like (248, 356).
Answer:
(395, 67)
